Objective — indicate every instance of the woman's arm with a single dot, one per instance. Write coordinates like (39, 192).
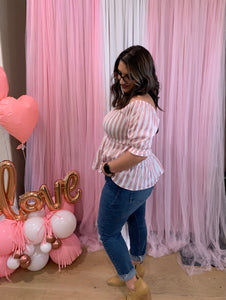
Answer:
(124, 162)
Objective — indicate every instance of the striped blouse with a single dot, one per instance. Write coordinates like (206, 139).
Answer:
(131, 129)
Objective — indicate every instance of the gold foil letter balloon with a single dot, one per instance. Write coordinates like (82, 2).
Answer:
(31, 202)
(7, 193)
(70, 182)
(34, 201)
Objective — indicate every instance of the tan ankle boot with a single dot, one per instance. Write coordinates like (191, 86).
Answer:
(141, 292)
(140, 270)
(116, 281)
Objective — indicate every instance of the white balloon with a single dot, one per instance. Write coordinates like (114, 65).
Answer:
(34, 229)
(38, 213)
(46, 247)
(38, 260)
(30, 249)
(63, 223)
(13, 263)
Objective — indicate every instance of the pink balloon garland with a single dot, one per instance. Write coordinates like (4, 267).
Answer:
(15, 245)
(19, 246)
(29, 238)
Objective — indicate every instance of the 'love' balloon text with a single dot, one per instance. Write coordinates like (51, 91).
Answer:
(34, 201)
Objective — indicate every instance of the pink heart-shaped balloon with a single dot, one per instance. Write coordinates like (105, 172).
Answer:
(4, 86)
(19, 116)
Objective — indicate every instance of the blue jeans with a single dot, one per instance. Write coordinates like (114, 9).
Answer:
(118, 206)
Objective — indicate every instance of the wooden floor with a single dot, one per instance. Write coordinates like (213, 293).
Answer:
(86, 278)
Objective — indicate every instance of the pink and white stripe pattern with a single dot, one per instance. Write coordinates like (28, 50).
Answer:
(131, 129)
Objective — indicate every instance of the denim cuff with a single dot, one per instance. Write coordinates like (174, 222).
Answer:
(126, 277)
(137, 258)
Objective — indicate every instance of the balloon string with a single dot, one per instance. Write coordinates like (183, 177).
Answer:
(23, 150)
(47, 226)
(19, 238)
(3, 267)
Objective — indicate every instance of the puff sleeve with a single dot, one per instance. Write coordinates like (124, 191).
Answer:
(143, 124)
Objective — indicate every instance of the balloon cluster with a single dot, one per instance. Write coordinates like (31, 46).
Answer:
(17, 116)
(42, 228)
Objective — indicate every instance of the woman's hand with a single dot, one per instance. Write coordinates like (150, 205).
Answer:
(125, 161)
(102, 170)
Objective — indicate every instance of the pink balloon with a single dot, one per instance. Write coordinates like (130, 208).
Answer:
(67, 206)
(4, 86)
(64, 205)
(68, 251)
(19, 116)
(6, 238)
(4, 270)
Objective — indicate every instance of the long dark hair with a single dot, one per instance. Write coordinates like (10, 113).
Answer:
(141, 68)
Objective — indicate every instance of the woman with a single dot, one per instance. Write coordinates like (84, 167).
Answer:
(131, 170)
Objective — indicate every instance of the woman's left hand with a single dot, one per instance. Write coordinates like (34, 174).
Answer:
(102, 170)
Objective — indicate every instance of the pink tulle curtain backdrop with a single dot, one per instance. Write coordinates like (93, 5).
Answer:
(65, 74)
(187, 40)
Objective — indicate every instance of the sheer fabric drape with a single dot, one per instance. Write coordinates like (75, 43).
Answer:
(65, 76)
(187, 40)
(123, 26)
